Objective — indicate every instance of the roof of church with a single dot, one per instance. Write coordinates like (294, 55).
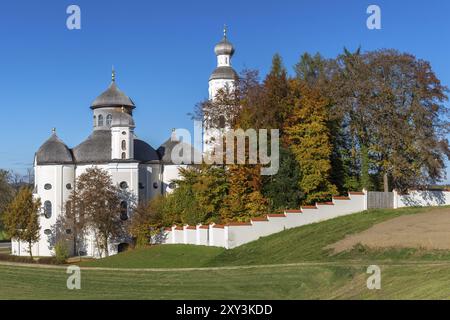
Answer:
(54, 151)
(165, 150)
(224, 72)
(112, 97)
(97, 149)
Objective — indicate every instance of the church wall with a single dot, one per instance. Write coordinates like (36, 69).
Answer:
(58, 177)
(149, 177)
(170, 172)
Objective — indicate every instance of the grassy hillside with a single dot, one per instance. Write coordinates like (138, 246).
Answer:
(306, 243)
(406, 273)
(305, 282)
(170, 256)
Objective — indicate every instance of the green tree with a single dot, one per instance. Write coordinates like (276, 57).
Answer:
(21, 218)
(282, 190)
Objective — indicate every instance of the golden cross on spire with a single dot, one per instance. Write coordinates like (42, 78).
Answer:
(113, 74)
(224, 30)
(53, 130)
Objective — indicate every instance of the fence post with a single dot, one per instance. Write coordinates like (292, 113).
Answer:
(395, 199)
(366, 195)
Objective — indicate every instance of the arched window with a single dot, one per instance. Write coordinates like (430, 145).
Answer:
(124, 145)
(48, 209)
(123, 211)
(124, 155)
(108, 120)
(100, 121)
(95, 121)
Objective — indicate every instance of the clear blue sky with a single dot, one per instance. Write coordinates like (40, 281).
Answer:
(163, 54)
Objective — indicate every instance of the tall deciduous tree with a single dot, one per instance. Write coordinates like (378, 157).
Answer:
(95, 207)
(6, 193)
(309, 139)
(21, 218)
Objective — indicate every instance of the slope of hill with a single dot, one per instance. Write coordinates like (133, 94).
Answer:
(307, 243)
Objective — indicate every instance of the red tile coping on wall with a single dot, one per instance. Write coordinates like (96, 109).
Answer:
(341, 198)
(325, 204)
(239, 224)
(357, 193)
(293, 211)
(309, 207)
(204, 227)
(191, 227)
(219, 226)
(168, 229)
(276, 216)
(260, 219)
(178, 228)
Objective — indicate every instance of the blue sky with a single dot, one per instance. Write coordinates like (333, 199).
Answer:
(163, 55)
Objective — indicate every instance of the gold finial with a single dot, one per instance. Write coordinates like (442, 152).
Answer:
(224, 30)
(113, 74)
(53, 130)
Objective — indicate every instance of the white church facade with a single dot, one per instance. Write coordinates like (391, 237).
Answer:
(133, 164)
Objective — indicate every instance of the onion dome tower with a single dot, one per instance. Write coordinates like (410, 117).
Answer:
(224, 74)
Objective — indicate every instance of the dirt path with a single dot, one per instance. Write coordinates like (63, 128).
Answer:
(430, 231)
(353, 263)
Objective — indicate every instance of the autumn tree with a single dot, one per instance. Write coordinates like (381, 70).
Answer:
(308, 136)
(21, 218)
(6, 193)
(147, 221)
(394, 112)
(244, 199)
(409, 120)
(95, 206)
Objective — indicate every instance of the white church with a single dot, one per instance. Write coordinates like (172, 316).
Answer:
(133, 164)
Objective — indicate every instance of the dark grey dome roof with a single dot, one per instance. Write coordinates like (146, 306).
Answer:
(224, 72)
(53, 151)
(165, 151)
(224, 47)
(112, 97)
(144, 152)
(97, 149)
(122, 119)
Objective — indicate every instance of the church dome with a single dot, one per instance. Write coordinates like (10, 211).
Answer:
(53, 151)
(166, 149)
(224, 72)
(122, 119)
(113, 97)
(224, 47)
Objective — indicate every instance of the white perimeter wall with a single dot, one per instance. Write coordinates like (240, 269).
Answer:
(235, 234)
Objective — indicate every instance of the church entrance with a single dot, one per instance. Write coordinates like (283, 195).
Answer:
(123, 247)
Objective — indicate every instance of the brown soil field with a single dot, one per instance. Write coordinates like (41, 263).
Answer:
(430, 231)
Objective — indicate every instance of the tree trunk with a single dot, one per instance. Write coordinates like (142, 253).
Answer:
(365, 177)
(30, 246)
(386, 182)
(105, 244)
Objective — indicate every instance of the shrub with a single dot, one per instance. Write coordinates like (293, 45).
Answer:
(61, 252)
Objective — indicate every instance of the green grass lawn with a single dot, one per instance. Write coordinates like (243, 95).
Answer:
(306, 282)
(291, 246)
(406, 273)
